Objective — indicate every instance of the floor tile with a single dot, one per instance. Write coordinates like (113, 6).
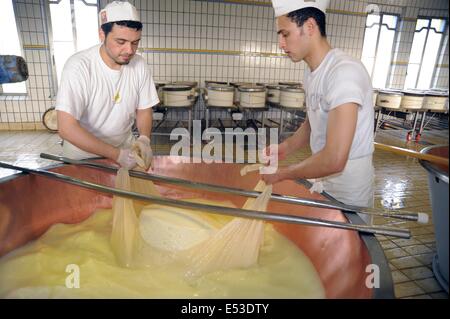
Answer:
(387, 244)
(398, 277)
(407, 289)
(429, 285)
(426, 239)
(405, 242)
(405, 262)
(417, 249)
(425, 259)
(418, 273)
(395, 253)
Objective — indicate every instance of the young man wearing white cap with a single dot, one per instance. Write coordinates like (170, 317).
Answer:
(339, 123)
(105, 89)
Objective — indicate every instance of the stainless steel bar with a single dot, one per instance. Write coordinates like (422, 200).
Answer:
(411, 216)
(270, 216)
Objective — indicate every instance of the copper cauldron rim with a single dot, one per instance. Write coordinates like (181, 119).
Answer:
(376, 253)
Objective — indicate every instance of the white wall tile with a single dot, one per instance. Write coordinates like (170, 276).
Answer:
(211, 25)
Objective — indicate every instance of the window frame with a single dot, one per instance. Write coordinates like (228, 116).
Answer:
(22, 54)
(428, 28)
(396, 34)
(74, 33)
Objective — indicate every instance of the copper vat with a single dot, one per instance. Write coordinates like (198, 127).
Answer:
(30, 204)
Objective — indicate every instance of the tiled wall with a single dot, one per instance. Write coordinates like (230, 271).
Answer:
(214, 40)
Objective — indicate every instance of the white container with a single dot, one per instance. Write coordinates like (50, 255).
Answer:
(273, 93)
(252, 96)
(296, 84)
(192, 84)
(389, 99)
(412, 100)
(177, 95)
(292, 97)
(435, 101)
(237, 93)
(187, 83)
(212, 82)
(375, 95)
(159, 86)
(220, 95)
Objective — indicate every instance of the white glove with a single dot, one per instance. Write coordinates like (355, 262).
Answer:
(317, 186)
(126, 159)
(142, 152)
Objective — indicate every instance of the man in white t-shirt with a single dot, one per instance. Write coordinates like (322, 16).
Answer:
(338, 94)
(104, 90)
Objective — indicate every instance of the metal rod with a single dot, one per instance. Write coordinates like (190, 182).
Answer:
(402, 151)
(270, 216)
(410, 216)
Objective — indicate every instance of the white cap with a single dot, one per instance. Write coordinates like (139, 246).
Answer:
(118, 11)
(283, 7)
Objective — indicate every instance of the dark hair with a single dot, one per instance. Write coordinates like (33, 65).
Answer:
(107, 27)
(301, 15)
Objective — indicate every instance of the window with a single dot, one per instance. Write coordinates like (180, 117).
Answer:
(377, 49)
(9, 43)
(424, 53)
(70, 36)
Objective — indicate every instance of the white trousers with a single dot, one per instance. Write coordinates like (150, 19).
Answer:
(353, 186)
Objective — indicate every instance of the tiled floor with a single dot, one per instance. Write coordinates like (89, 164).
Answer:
(401, 182)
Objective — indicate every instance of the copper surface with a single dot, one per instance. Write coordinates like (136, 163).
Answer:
(442, 152)
(29, 205)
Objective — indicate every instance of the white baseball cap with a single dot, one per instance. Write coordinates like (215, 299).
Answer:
(283, 7)
(118, 11)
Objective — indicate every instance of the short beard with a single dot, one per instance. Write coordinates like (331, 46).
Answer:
(114, 59)
(122, 63)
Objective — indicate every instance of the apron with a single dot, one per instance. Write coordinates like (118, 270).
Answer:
(71, 151)
(353, 186)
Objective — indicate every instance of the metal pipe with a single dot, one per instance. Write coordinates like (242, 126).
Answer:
(403, 151)
(244, 213)
(410, 216)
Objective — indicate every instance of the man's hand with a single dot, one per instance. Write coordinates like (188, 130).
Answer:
(270, 156)
(270, 179)
(143, 152)
(279, 175)
(126, 159)
(274, 153)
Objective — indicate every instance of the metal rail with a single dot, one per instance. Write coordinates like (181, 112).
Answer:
(410, 216)
(244, 213)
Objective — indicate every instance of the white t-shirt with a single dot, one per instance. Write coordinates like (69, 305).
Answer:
(340, 79)
(103, 100)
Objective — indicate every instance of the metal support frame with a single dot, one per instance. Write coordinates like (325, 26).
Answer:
(165, 110)
(285, 110)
